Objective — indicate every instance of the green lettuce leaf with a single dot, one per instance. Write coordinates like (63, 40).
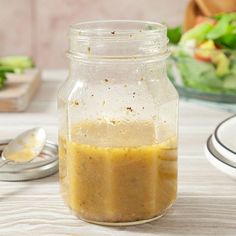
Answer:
(174, 34)
(197, 33)
(224, 32)
(199, 75)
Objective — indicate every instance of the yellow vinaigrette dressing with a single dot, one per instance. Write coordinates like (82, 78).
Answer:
(21, 156)
(117, 172)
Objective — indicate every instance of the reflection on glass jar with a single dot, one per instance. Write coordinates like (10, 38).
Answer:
(118, 124)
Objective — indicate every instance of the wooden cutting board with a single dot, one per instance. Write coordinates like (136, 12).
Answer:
(19, 90)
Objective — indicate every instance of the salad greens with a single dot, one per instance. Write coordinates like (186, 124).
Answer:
(197, 33)
(224, 31)
(13, 64)
(205, 56)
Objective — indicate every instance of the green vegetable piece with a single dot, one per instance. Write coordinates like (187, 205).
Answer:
(224, 32)
(227, 41)
(222, 64)
(231, 16)
(6, 69)
(2, 79)
(13, 64)
(174, 34)
(219, 30)
(198, 32)
(16, 62)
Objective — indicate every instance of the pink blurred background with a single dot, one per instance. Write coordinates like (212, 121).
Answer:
(39, 27)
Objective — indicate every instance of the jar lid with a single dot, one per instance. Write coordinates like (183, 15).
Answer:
(45, 164)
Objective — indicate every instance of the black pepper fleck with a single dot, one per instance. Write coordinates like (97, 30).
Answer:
(129, 109)
(106, 80)
(113, 32)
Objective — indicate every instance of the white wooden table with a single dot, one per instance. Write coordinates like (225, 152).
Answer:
(206, 203)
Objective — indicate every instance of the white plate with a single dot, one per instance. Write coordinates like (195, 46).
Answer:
(224, 138)
(219, 161)
(222, 150)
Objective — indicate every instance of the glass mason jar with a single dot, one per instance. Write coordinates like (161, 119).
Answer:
(118, 116)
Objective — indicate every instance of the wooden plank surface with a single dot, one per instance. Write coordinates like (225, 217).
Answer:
(206, 203)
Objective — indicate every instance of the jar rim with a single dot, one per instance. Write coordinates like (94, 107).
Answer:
(118, 40)
(113, 29)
